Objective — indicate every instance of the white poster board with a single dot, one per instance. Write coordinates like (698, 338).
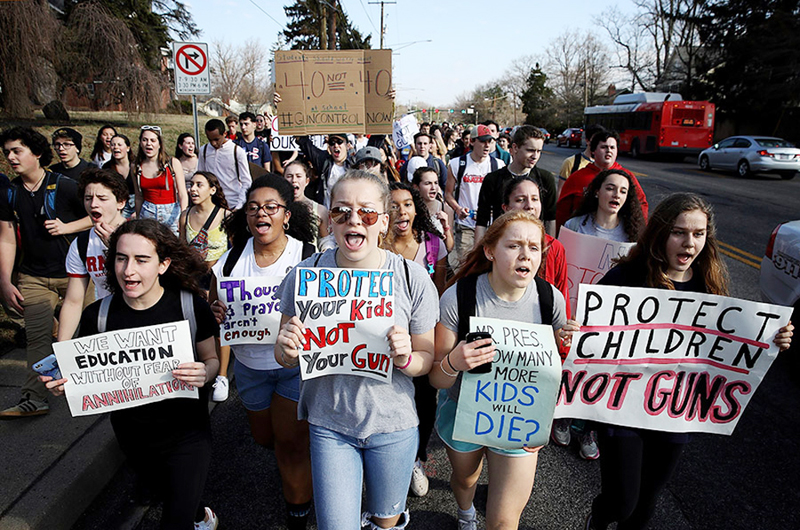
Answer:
(253, 313)
(403, 131)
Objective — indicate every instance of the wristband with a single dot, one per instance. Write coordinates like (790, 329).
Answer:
(410, 356)
(445, 372)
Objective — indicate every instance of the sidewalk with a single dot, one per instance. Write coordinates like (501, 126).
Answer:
(54, 465)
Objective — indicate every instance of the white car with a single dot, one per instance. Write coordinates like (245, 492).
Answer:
(752, 154)
(780, 269)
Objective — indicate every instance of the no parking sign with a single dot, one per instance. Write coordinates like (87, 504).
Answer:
(192, 75)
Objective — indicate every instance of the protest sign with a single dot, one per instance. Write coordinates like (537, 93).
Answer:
(403, 131)
(588, 258)
(512, 406)
(126, 368)
(279, 142)
(667, 360)
(335, 91)
(347, 314)
(253, 312)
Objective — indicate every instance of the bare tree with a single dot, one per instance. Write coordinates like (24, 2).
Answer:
(240, 72)
(632, 51)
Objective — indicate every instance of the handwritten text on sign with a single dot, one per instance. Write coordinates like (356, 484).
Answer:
(253, 313)
(347, 314)
(512, 406)
(667, 360)
(334, 91)
(589, 258)
(123, 369)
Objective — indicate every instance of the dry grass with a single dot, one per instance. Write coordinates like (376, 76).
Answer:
(88, 123)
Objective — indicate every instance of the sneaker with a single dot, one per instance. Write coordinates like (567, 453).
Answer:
(468, 524)
(25, 408)
(209, 523)
(419, 481)
(560, 433)
(221, 387)
(589, 449)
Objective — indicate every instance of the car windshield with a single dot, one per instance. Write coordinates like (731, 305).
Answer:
(773, 142)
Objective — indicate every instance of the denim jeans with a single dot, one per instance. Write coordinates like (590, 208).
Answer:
(339, 465)
(166, 214)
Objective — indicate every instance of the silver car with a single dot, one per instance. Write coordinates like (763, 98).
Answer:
(752, 154)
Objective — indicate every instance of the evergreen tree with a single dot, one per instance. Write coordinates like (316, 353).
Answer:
(537, 99)
(308, 27)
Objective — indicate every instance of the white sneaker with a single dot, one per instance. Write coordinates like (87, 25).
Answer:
(221, 387)
(589, 449)
(468, 524)
(211, 521)
(419, 481)
(560, 433)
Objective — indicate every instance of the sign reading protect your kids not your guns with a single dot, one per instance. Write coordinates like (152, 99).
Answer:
(347, 314)
(511, 406)
(253, 312)
(667, 360)
(122, 369)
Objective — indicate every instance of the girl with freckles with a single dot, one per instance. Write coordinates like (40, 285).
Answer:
(364, 431)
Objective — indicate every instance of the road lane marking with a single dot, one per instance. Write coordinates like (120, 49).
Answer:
(740, 255)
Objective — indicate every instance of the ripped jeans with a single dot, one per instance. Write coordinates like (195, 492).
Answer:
(339, 465)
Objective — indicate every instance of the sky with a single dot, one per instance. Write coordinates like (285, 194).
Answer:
(456, 45)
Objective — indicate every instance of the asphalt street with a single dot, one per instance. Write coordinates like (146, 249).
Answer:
(744, 481)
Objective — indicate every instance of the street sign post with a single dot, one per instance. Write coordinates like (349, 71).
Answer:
(192, 74)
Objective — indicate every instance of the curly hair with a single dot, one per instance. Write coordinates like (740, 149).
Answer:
(108, 178)
(32, 139)
(186, 265)
(301, 225)
(218, 199)
(99, 146)
(631, 212)
(422, 221)
(476, 261)
(650, 253)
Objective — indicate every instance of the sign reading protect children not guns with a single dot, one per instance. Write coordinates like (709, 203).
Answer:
(126, 368)
(667, 360)
(334, 91)
(347, 314)
(253, 312)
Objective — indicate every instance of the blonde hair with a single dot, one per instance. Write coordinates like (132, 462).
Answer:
(358, 174)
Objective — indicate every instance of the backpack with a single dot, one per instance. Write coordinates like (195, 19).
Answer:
(200, 240)
(466, 291)
(51, 183)
(236, 252)
(432, 243)
(187, 307)
(83, 244)
(576, 165)
(462, 167)
(235, 160)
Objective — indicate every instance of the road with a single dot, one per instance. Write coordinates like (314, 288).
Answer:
(744, 481)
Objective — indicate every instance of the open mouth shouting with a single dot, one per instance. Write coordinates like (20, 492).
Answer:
(354, 240)
(684, 258)
(402, 225)
(96, 215)
(523, 271)
(263, 227)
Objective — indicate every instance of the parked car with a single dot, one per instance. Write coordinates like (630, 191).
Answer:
(780, 269)
(752, 154)
(571, 137)
(546, 135)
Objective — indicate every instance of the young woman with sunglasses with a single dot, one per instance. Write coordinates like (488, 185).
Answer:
(677, 251)
(268, 234)
(158, 180)
(168, 443)
(503, 268)
(363, 430)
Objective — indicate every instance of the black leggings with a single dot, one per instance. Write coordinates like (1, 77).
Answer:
(633, 471)
(425, 400)
(176, 473)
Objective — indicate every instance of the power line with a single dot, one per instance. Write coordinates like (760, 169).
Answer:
(367, 13)
(270, 16)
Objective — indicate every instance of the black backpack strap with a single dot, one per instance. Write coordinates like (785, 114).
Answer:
(233, 256)
(236, 163)
(187, 308)
(83, 244)
(462, 167)
(408, 279)
(493, 163)
(316, 259)
(466, 298)
(546, 300)
(308, 251)
(102, 314)
(576, 165)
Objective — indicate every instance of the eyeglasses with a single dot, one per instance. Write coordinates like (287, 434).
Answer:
(155, 128)
(58, 146)
(341, 214)
(270, 208)
(335, 141)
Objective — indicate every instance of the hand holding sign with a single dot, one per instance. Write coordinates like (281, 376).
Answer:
(469, 355)
(193, 373)
(290, 341)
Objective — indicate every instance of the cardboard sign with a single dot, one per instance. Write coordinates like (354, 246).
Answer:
(667, 360)
(334, 91)
(403, 131)
(126, 368)
(512, 406)
(589, 258)
(347, 314)
(253, 312)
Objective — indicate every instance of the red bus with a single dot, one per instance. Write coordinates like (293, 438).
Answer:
(656, 122)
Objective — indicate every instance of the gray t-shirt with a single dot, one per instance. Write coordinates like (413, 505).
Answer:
(357, 406)
(585, 225)
(488, 304)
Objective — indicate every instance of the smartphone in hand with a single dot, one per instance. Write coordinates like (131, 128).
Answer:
(48, 366)
(472, 337)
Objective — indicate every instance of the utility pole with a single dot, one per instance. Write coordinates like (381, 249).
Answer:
(383, 27)
(332, 26)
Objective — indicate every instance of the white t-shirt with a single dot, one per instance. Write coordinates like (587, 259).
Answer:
(336, 173)
(94, 266)
(585, 225)
(259, 356)
(101, 158)
(471, 184)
